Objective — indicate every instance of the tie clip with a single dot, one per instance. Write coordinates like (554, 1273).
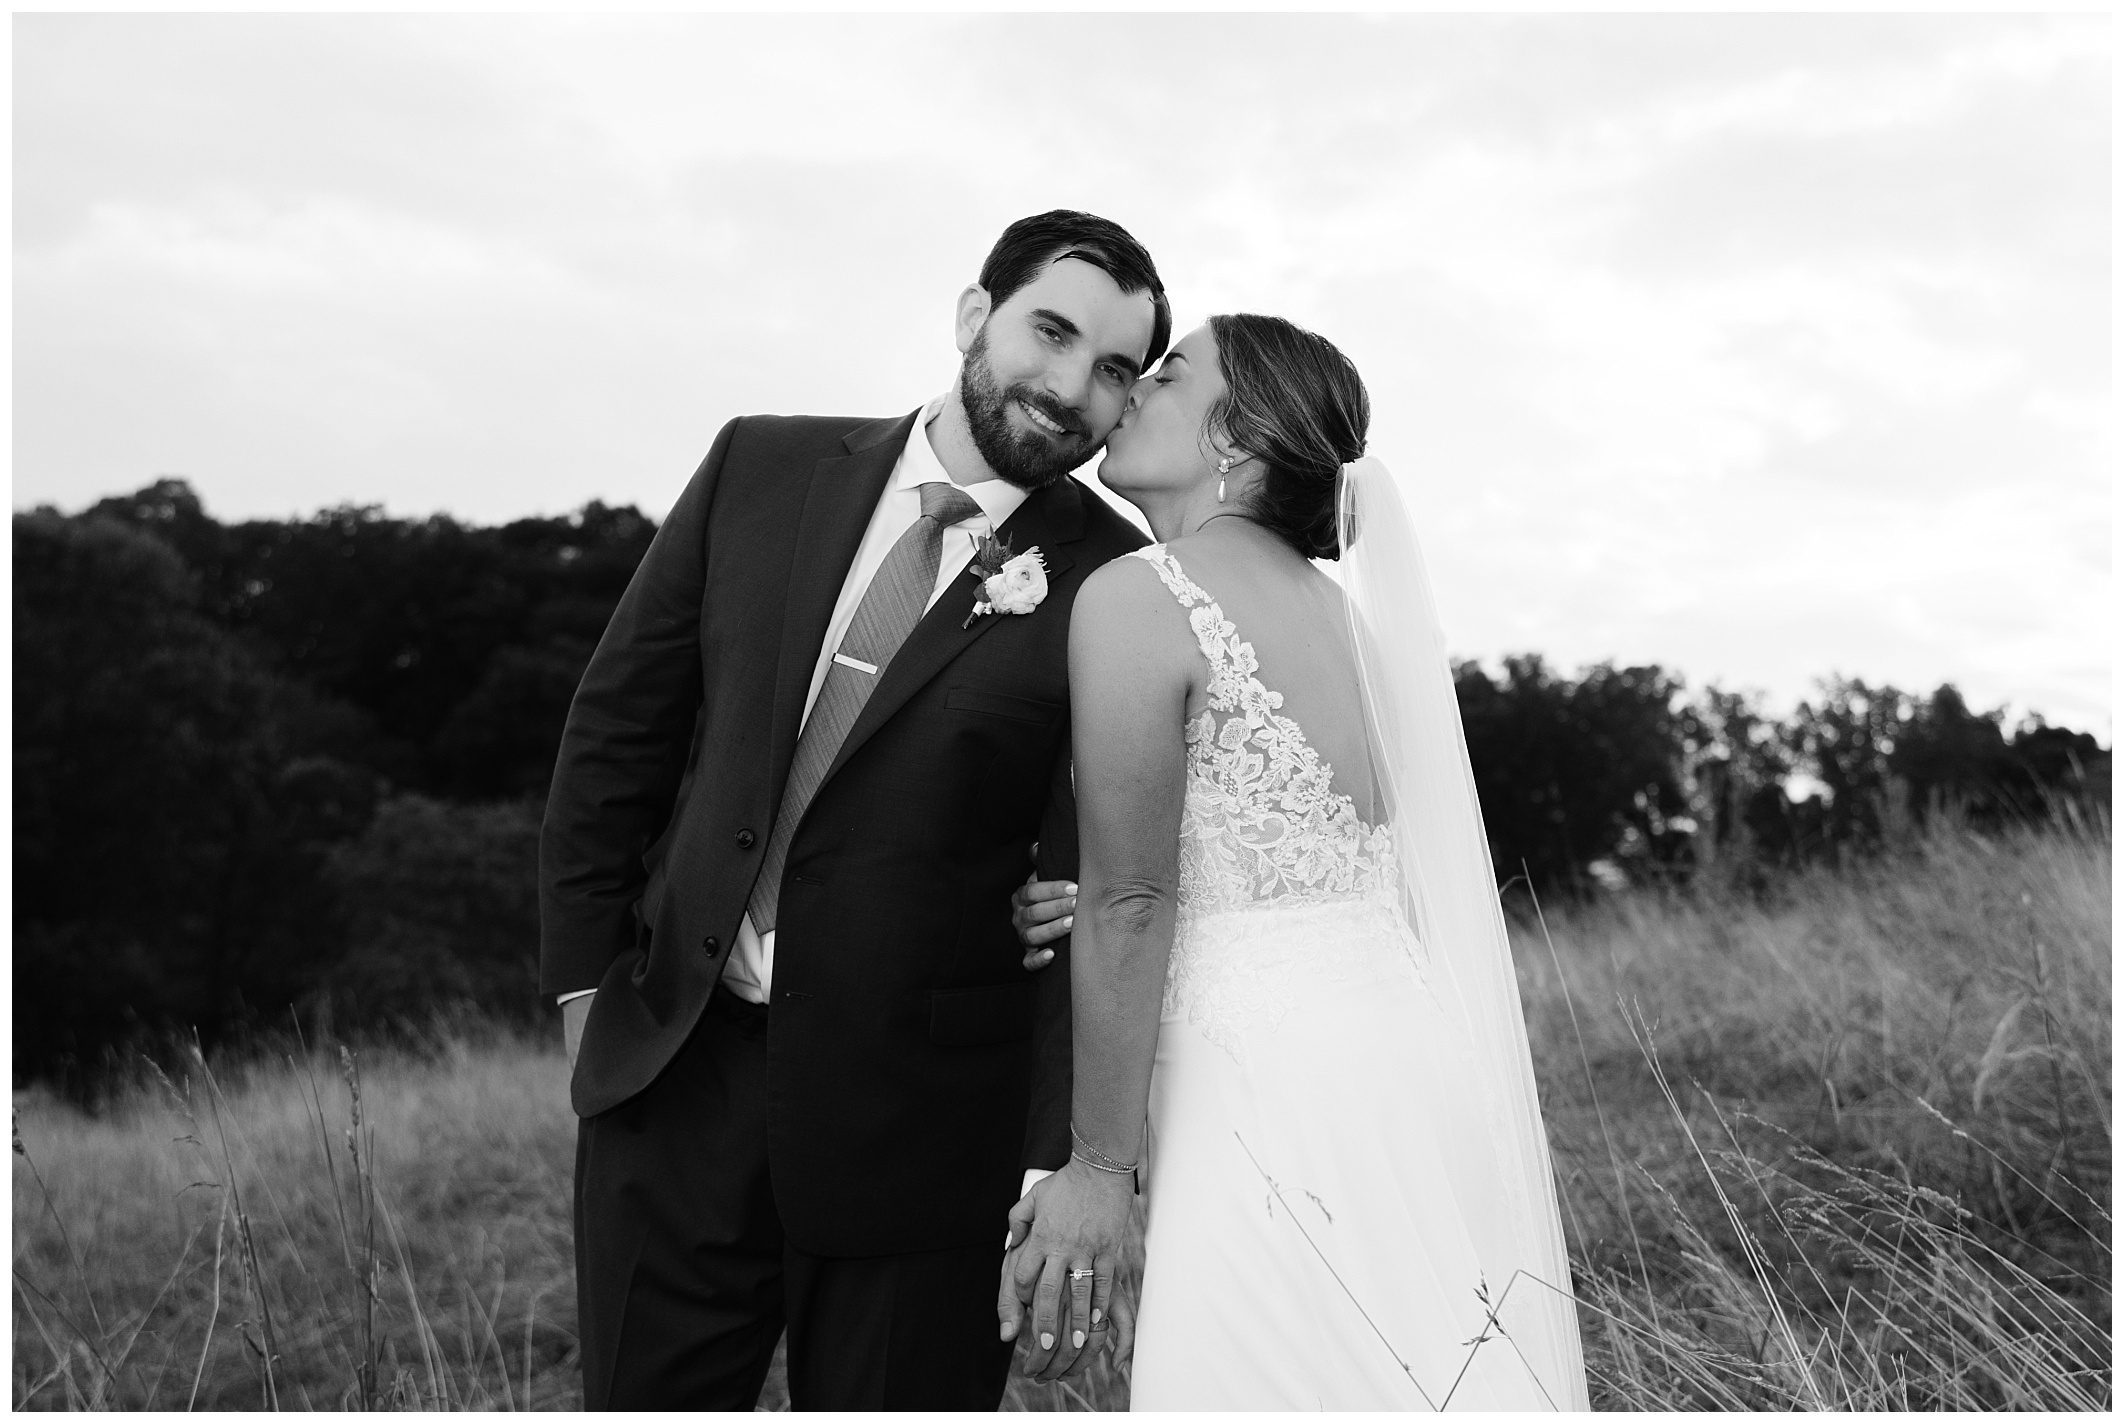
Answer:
(846, 661)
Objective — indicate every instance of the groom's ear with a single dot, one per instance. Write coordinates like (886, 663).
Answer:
(972, 314)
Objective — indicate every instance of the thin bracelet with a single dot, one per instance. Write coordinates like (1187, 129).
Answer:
(1106, 1161)
(1102, 1167)
(1090, 1146)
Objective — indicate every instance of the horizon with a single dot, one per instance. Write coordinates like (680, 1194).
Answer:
(1797, 785)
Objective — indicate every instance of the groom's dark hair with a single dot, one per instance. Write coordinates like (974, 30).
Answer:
(1028, 245)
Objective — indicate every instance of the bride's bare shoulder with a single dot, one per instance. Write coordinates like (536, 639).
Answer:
(1125, 602)
(1123, 584)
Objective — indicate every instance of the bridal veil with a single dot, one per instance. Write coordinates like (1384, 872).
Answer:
(1502, 1179)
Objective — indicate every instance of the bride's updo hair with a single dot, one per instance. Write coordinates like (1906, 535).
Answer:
(1297, 404)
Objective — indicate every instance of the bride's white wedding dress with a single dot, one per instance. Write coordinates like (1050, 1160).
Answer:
(1307, 1245)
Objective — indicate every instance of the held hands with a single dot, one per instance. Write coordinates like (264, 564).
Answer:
(1070, 1237)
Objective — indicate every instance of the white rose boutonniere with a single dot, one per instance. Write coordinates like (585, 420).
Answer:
(1010, 583)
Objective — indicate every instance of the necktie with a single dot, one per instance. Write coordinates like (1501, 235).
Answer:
(890, 608)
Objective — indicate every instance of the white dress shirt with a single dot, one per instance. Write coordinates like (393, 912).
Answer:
(749, 972)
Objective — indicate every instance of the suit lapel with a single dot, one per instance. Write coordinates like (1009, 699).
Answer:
(1049, 520)
(845, 490)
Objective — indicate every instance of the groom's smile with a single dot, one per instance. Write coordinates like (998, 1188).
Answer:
(1054, 426)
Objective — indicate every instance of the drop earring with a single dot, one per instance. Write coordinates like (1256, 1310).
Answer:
(1224, 467)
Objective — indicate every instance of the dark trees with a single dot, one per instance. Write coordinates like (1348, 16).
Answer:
(249, 757)
(168, 797)
(1574, 774)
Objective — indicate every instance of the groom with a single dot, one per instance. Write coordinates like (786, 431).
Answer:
(798, 784)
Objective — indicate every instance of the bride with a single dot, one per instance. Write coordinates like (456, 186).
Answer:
(1296, 1022)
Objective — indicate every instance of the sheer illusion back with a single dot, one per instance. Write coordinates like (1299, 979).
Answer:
(1264, 823)
(1264, 829)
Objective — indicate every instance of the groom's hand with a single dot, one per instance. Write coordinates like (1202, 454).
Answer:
(1042, 911)
(573, 1015)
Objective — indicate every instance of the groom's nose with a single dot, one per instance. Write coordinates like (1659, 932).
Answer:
(1070, 383)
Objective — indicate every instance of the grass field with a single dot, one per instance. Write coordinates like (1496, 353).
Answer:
(1845, 1148)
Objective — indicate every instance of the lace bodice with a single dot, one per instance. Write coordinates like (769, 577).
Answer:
(1264, 830)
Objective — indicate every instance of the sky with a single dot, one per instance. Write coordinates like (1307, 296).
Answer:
(1759, 347)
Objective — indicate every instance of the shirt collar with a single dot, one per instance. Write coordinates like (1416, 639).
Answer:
(999, 499)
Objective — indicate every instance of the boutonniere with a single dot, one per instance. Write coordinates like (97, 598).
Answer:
(1010, 583)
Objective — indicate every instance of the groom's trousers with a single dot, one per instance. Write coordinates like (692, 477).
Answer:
(685, 1279)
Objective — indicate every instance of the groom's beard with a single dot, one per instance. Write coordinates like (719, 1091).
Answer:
(1029, 459)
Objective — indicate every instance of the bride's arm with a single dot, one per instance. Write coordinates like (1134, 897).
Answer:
(1130, 664)
(1131, 658)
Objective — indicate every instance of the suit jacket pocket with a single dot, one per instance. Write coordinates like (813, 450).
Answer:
(1002, 704)
(992, 1013)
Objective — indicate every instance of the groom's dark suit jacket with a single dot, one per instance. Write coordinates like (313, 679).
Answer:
(915, 1067)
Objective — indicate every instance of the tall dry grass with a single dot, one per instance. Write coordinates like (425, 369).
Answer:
(1846, 1148)
(310, 1229)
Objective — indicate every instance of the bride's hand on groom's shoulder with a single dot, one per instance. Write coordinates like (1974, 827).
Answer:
(1076, 1220)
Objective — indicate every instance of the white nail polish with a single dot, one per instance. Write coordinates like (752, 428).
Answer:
(1077, 1339)
(1047, 1342)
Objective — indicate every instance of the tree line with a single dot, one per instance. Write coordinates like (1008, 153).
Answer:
(302, 762)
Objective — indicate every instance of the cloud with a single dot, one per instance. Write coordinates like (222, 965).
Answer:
(1754, 345)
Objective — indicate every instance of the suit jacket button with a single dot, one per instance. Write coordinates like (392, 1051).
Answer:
(744, 839)
(708, 944)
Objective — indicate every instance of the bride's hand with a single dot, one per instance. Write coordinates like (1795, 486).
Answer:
(1042, 911)
(1076, 1221)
